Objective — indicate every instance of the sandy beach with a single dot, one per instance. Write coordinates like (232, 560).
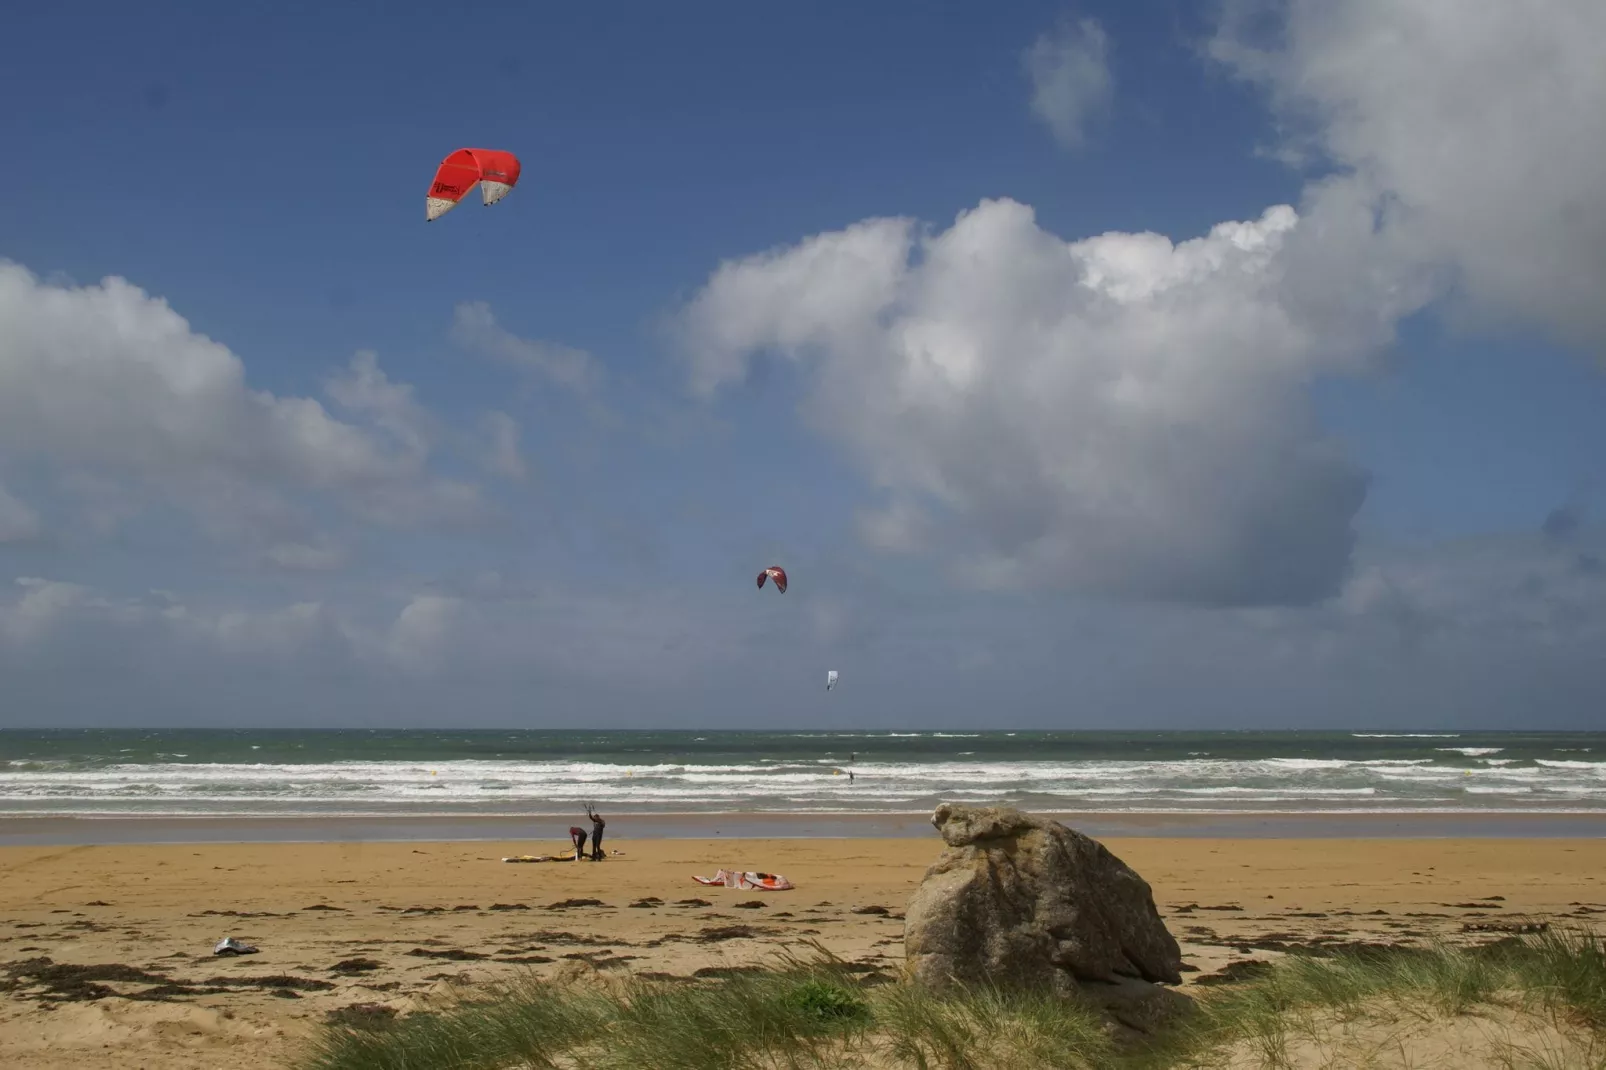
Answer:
(340, 924)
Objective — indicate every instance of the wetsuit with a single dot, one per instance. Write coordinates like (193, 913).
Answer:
(597, 825)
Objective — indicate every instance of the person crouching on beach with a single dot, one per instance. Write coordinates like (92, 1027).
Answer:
(597, 825)
(577, 836)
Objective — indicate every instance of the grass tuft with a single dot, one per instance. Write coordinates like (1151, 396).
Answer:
(1556, 974)
(988, 1028)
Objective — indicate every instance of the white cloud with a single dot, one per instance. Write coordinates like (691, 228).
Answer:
(18, 521)
(263, 636)
(1070, 76)
(319, 555)
(501, 454)
(365, 390)
(1477, 125)
(1118, 414)
(900, 526)
(474, 327)
(487, 637)
(1521, 589)
(40, 604)
(419, 637)
(112, 389)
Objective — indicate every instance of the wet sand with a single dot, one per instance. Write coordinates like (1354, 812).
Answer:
(340, 924)
(56, 831)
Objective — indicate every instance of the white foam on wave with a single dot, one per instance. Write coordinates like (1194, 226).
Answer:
(1405, 735)
(790, 784)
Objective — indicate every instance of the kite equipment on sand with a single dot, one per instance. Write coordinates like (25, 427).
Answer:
(731, 878)
(776, 573)
(495, 171)
(230, 946)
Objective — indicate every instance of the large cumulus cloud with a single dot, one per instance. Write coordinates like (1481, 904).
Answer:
(1478, 126)
(1119, 414)
(112, 391)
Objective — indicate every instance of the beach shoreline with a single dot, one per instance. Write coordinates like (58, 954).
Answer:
(86, 830)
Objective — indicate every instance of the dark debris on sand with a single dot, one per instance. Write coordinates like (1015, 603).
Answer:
(725, 971)
(357, 965)
(553, 936)
(67, 982)
(64, 982)
(456, 954)
(1507, 926)
(279, 981)
(237, 914)
(602, 960)
(1234, 972)
(362, 1016)
(716, 933)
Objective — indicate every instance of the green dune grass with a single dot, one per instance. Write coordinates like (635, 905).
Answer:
(1536, 1002)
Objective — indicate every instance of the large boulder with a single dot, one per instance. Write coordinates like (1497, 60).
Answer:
(1017, 899)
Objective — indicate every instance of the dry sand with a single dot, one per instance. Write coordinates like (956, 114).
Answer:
(421, 914)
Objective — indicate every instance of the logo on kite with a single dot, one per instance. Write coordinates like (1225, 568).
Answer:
(830, 679)
(496, 172)
(776, 573)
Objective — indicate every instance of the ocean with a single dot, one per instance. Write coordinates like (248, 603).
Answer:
(388, 773)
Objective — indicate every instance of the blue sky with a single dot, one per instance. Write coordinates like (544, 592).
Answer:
(1314, 497)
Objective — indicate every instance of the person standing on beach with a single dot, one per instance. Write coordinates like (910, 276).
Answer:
(597, 825)
(577, 836)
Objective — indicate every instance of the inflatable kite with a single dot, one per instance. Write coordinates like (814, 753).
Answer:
(495, 172)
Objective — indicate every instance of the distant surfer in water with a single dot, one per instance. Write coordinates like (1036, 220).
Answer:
(577, 836)
(597, 825)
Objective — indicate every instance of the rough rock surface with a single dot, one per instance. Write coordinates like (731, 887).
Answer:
(1023, 900)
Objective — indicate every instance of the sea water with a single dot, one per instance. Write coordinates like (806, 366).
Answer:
(358, 773)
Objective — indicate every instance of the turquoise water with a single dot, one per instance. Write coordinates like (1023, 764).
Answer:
(499, 772)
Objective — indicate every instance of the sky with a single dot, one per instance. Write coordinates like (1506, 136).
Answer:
(1096, 365)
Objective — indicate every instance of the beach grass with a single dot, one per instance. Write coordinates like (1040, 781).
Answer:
(1535, 1002)
(1531, 1002)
